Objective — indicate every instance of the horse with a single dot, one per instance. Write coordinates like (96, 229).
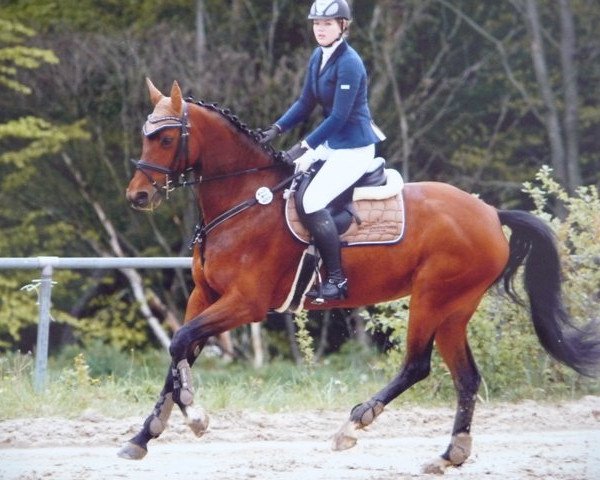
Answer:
(453, 250)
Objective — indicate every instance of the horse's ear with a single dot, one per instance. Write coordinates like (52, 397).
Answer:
(155, 94)
(176, 97)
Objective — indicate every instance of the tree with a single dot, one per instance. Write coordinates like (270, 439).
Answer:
(562, 135)
(37, 138)
(452, 84)
(43, 136)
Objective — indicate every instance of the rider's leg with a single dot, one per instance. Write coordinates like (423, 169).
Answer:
(341, 170)
(325, 234)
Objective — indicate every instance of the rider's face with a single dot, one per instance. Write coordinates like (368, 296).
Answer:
(326, 31)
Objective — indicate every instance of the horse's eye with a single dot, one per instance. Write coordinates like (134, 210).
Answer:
(166, 141)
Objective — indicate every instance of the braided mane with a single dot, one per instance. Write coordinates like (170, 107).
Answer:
(241, 127)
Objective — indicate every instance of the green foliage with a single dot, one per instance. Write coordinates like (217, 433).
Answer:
(303, 337)
(14, 56)
(17, 310)
(19, 305)
(45, 138)
(116, 321)
(38, 136)
(578, 231)
(501, 336)
(78, 375)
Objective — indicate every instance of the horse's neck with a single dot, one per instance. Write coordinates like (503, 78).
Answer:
(236, 182)
(234, 199)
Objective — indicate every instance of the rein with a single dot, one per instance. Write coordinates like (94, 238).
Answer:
(263, 196)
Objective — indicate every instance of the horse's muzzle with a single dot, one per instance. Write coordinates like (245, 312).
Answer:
(143, 199)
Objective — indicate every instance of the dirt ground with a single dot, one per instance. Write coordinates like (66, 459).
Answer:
(525, 441)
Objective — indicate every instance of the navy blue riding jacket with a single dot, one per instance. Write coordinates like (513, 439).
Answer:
(341, 90)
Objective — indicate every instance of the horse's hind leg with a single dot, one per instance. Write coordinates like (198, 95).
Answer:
(416, 367)
(451, 341)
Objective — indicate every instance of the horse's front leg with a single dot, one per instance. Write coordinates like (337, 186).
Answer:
(225, 314)
(183, 388)
(137, 447)
(178, 390)
(156, 422)
(229, 312)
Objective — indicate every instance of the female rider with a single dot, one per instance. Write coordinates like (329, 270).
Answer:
(337, 81)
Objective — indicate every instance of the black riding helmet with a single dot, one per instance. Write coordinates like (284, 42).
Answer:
(325, 9)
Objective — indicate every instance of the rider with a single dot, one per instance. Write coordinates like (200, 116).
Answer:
(337, 81)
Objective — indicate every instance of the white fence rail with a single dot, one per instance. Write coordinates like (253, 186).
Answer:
(44, 287)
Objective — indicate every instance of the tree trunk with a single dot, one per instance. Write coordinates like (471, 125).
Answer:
(257, 344)
(357, 327)
(323, 340)
(200, 32)
(571, 95)
(135, 279)
(551, 116)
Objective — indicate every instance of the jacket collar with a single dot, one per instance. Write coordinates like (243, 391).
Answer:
(342, 47)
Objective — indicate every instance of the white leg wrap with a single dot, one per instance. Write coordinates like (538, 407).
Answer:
(186, 395)
(458, 452)
(460, 448)
(161, 415)
(197, 419)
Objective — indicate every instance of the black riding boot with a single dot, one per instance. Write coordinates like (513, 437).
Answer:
(323, 229)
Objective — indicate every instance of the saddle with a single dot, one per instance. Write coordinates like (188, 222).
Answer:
(369, 212)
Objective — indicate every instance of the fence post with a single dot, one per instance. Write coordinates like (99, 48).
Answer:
(43, 287)
(41, 352)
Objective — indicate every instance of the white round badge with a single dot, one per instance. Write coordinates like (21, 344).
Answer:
(264, 195)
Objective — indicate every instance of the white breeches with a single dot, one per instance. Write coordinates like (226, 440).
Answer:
(342, 168)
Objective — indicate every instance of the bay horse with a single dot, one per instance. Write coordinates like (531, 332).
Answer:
(453, 251)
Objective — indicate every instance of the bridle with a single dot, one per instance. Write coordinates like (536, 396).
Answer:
(180, 167)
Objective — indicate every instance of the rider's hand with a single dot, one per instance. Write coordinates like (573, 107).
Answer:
(267, 135)
(294, 153)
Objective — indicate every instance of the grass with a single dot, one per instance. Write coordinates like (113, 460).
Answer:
(119, 384)
(127, 385)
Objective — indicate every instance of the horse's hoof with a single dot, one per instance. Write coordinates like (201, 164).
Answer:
(364, 413)
(345, 438)
(131, 451)
(436, 467)
(197, 420)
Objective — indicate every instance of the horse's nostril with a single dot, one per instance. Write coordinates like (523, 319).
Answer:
(138, 199)
(141, 199)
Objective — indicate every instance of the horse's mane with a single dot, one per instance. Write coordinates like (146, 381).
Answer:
(241, 127)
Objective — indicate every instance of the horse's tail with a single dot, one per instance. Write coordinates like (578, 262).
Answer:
(532, 243)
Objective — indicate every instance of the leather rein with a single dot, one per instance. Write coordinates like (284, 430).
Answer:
(180, 168)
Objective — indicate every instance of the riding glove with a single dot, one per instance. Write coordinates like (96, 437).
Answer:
(267, 135)
(294, 153)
